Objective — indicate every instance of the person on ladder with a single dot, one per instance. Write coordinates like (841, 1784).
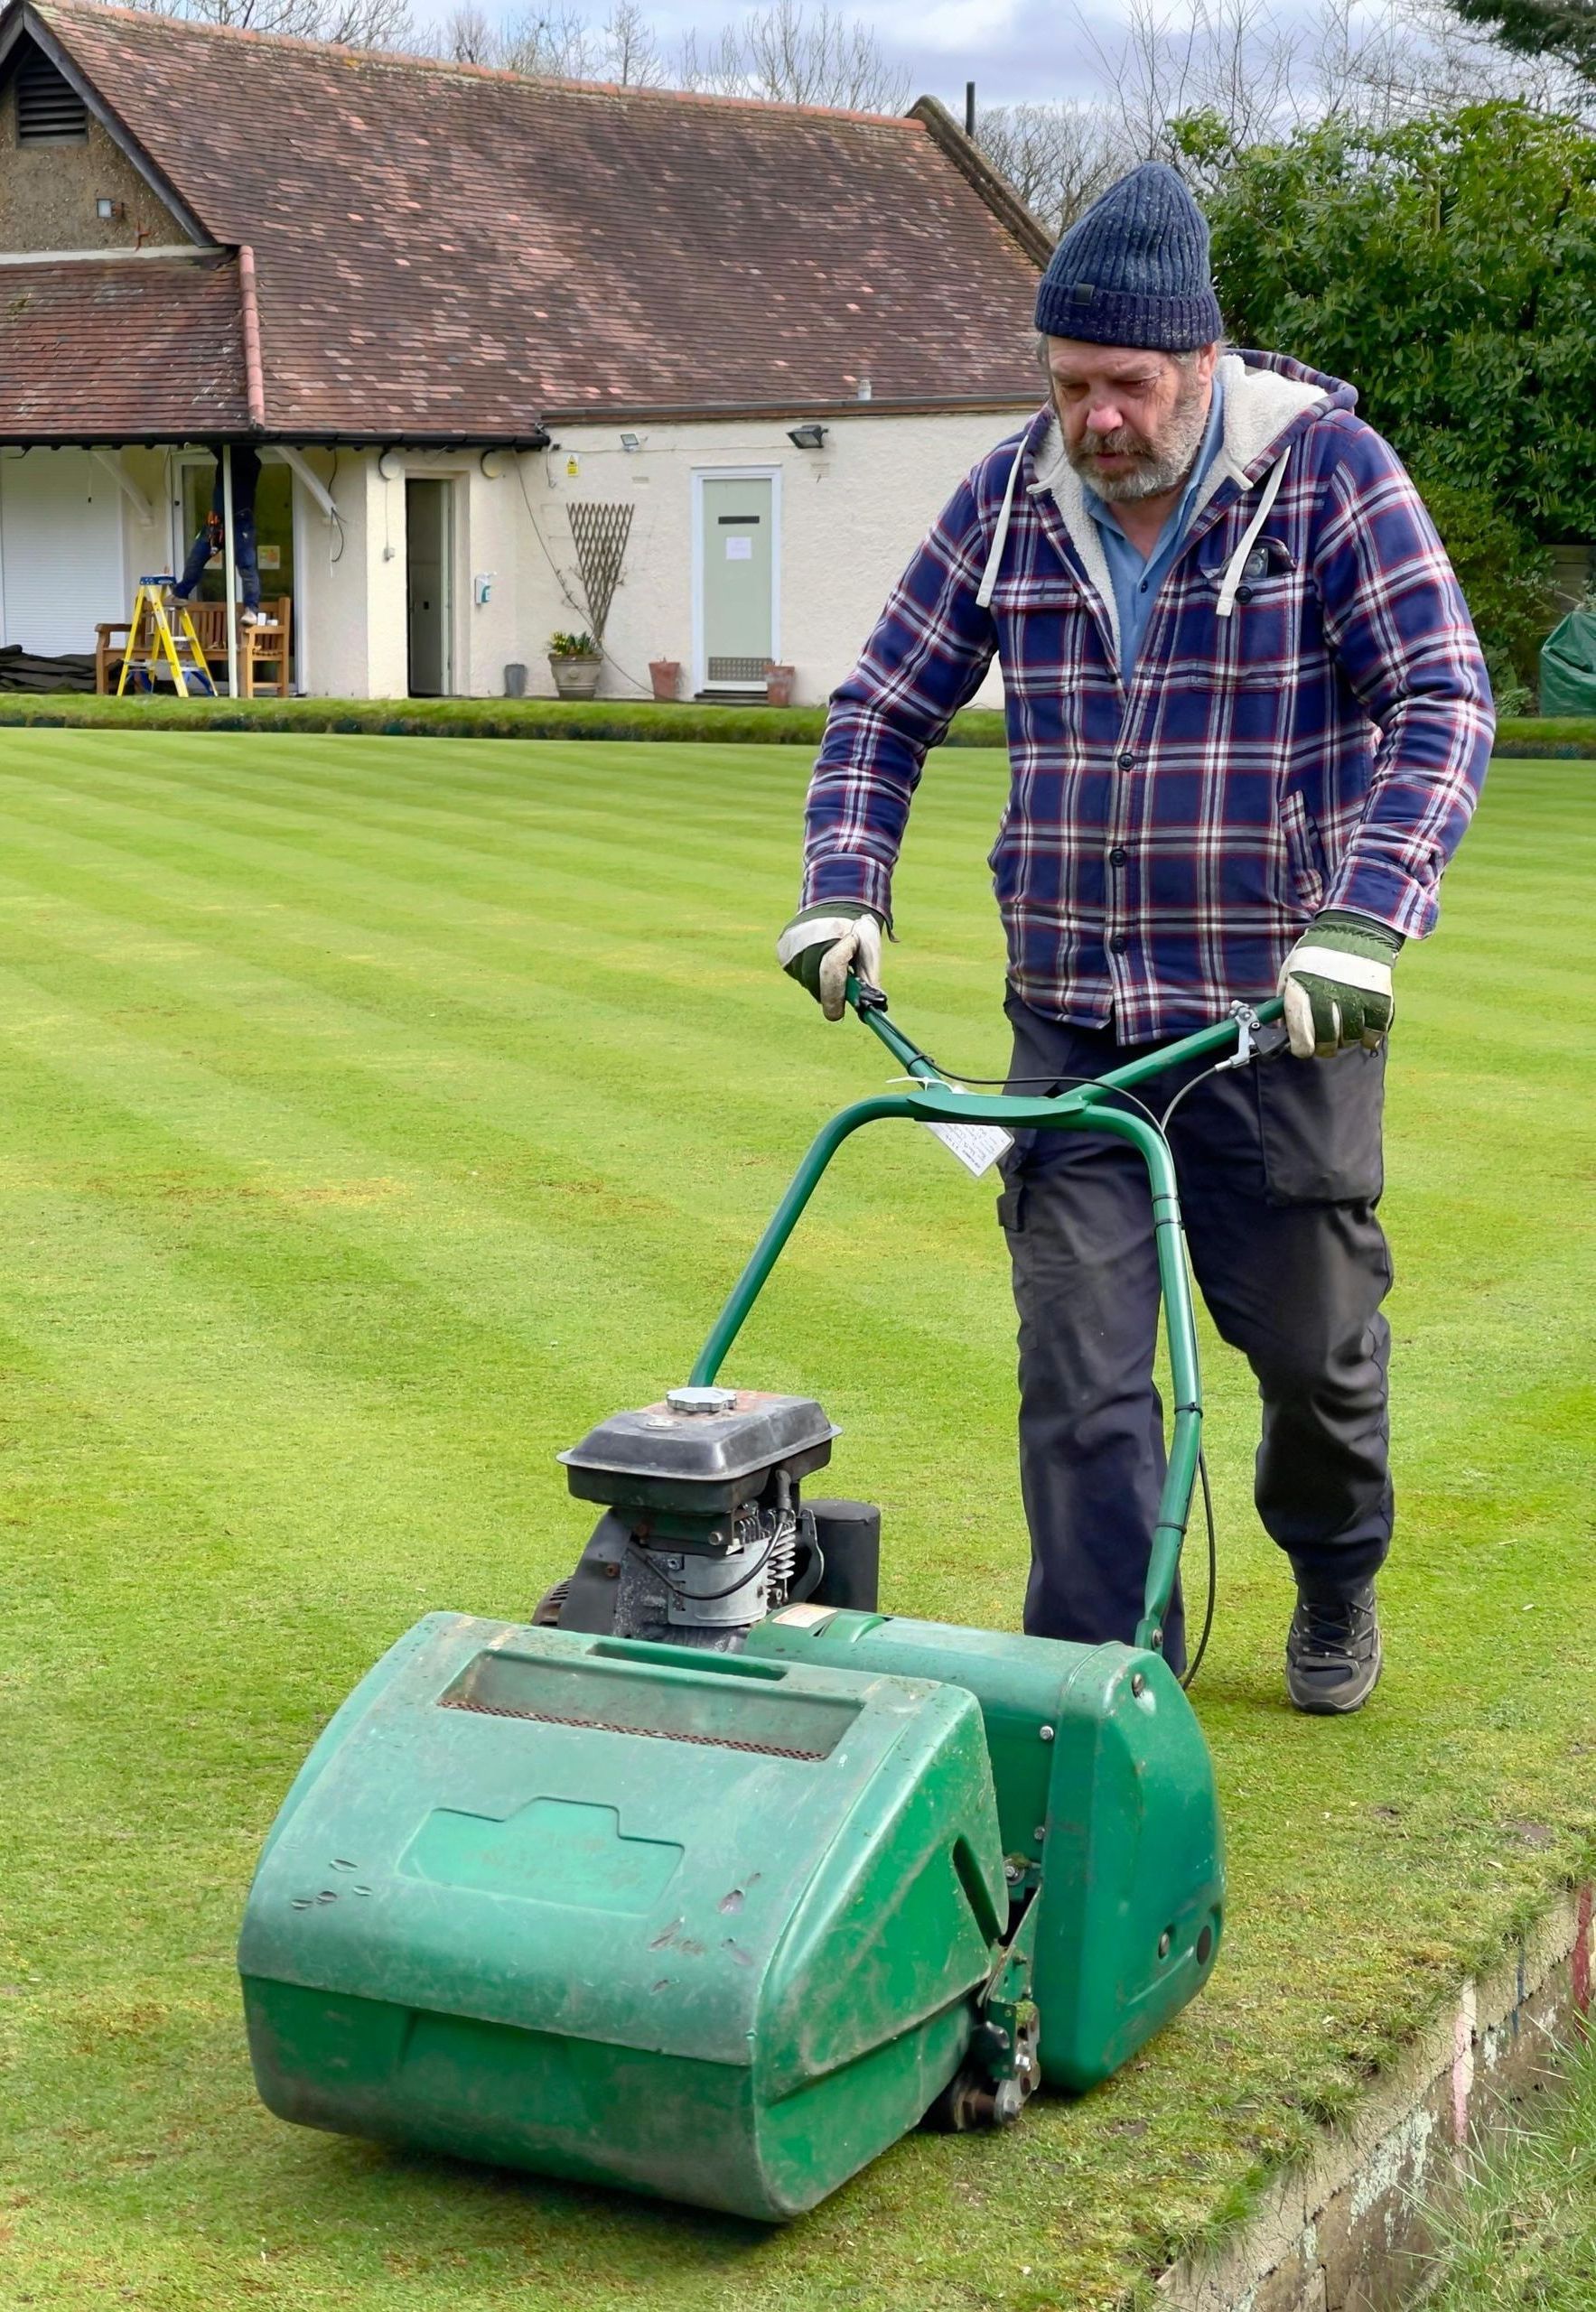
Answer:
(208, 539)
(1247, 719)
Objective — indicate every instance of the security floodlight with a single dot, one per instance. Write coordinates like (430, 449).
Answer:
(632, 441)
(810, 437)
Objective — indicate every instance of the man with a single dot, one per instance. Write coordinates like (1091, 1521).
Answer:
(1248, 724)
(208, 539)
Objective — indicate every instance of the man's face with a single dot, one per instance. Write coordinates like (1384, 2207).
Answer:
(1131, 420)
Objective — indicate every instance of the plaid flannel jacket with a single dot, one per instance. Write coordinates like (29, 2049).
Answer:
(1164, 844)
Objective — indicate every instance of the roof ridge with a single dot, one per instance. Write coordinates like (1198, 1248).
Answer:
(409, 60)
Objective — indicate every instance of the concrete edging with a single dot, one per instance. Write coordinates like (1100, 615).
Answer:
(1344, 2231)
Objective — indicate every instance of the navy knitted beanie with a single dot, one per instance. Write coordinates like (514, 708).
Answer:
(1134, 269)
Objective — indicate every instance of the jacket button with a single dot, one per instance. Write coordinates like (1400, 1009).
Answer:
(1118, 943)
(1128, 761)
(1118, 855)
(1244, 593)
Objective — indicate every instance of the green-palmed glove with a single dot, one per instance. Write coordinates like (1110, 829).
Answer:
(1337, 985)
(823, 943)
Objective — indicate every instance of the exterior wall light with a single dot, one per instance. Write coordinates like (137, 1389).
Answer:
(632, 443)
(108, 211)
(811, 436)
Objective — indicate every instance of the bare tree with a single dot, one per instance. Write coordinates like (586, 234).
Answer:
(1227, 63)
(1058, 157)
(556, 43)
(357, 24)
(551, 43)
(789, 54)
(1416, 56)
(1196, 82)
(468, 36)
(632, 53)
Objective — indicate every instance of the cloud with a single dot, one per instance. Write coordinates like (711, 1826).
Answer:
(1016, 51)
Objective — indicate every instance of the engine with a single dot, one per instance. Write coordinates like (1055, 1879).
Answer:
(704, 1532)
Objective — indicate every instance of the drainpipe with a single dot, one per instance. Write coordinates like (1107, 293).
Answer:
(255, 399)
(254, 380)
(229, 568)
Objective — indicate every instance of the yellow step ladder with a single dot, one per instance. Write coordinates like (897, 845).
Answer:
(162, 639)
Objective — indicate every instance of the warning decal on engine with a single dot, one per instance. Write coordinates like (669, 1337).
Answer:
(978, 1146)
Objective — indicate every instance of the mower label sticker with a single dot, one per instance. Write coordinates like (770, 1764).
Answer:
(978, 1146)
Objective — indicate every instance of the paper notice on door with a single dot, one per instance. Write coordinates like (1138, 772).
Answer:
(978, 1146)
(739, 549)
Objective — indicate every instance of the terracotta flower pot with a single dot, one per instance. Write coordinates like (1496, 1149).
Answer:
(779, 682)
(665, 674)
(575, 677)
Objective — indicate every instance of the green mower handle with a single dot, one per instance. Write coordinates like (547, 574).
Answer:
(932, 1100)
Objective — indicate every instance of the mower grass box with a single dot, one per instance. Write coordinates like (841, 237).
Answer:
(703, 1926)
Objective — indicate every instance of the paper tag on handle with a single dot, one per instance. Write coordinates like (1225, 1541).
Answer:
(978, 1146)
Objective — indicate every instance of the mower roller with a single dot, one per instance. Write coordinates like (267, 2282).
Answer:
(712, 1880)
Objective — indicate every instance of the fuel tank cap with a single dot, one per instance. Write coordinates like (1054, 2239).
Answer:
(701, 1399)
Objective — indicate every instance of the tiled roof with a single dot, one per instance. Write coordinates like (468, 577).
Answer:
(121, 349)
(442, 251)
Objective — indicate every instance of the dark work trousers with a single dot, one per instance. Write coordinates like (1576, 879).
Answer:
(1280, 1171)
(208, 539)
(207, 542)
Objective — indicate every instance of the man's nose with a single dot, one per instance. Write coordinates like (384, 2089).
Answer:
(1103, 417)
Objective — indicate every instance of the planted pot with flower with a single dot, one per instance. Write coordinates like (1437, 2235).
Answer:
(574, 660)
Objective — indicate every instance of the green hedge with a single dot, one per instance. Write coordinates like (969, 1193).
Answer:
(456, 718)
(1573, 737)
(546, 718)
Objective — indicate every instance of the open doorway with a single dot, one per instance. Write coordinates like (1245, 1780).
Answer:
(193, 478)
(429, 557)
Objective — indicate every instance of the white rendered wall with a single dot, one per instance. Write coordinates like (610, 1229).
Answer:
(851, 515)
(61, 547)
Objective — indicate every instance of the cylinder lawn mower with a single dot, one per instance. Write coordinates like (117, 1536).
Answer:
(713, 1880)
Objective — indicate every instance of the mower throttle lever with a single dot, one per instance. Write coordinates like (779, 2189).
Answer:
(867, 998)
(1254, 1039)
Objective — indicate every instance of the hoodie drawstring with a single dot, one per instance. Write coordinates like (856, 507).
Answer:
(1000, 537)
(1234, 568)
(1237, 566)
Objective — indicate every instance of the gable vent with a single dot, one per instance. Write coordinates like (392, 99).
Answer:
(48, 109)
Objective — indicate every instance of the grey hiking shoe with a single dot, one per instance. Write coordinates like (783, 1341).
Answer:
(1332, 1652)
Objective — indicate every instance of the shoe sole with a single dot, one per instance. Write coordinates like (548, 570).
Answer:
(1322, 1707)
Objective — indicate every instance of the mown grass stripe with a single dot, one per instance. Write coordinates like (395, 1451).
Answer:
(244, 1436)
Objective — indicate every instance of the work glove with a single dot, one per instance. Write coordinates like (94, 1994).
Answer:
(823, 944)
(1337, 985)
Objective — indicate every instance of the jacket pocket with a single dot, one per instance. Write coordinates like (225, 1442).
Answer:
(1320, 1128)
(1046, 638)
(1304, 853)
(1263, 643)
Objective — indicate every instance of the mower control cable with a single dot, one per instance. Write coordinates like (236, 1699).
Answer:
(1254, 1041)
(1087, 1106)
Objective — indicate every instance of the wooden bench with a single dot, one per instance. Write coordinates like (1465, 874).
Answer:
(257, 645)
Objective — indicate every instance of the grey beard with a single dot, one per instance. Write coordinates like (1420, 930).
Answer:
(1156, 470)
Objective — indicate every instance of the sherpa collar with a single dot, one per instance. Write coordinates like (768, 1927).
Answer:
(1266, 397)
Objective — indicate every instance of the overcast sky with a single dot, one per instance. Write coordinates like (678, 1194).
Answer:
(1012, 50)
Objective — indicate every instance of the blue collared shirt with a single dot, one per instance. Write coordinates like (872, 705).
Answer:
(1136, 583)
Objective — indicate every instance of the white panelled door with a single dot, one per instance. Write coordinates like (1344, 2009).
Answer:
(61, 550)
(737, 574)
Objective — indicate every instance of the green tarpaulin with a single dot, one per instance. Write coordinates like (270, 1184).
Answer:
(1568, 665)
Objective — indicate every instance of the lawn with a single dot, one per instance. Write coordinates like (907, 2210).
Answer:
(377, 1116)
